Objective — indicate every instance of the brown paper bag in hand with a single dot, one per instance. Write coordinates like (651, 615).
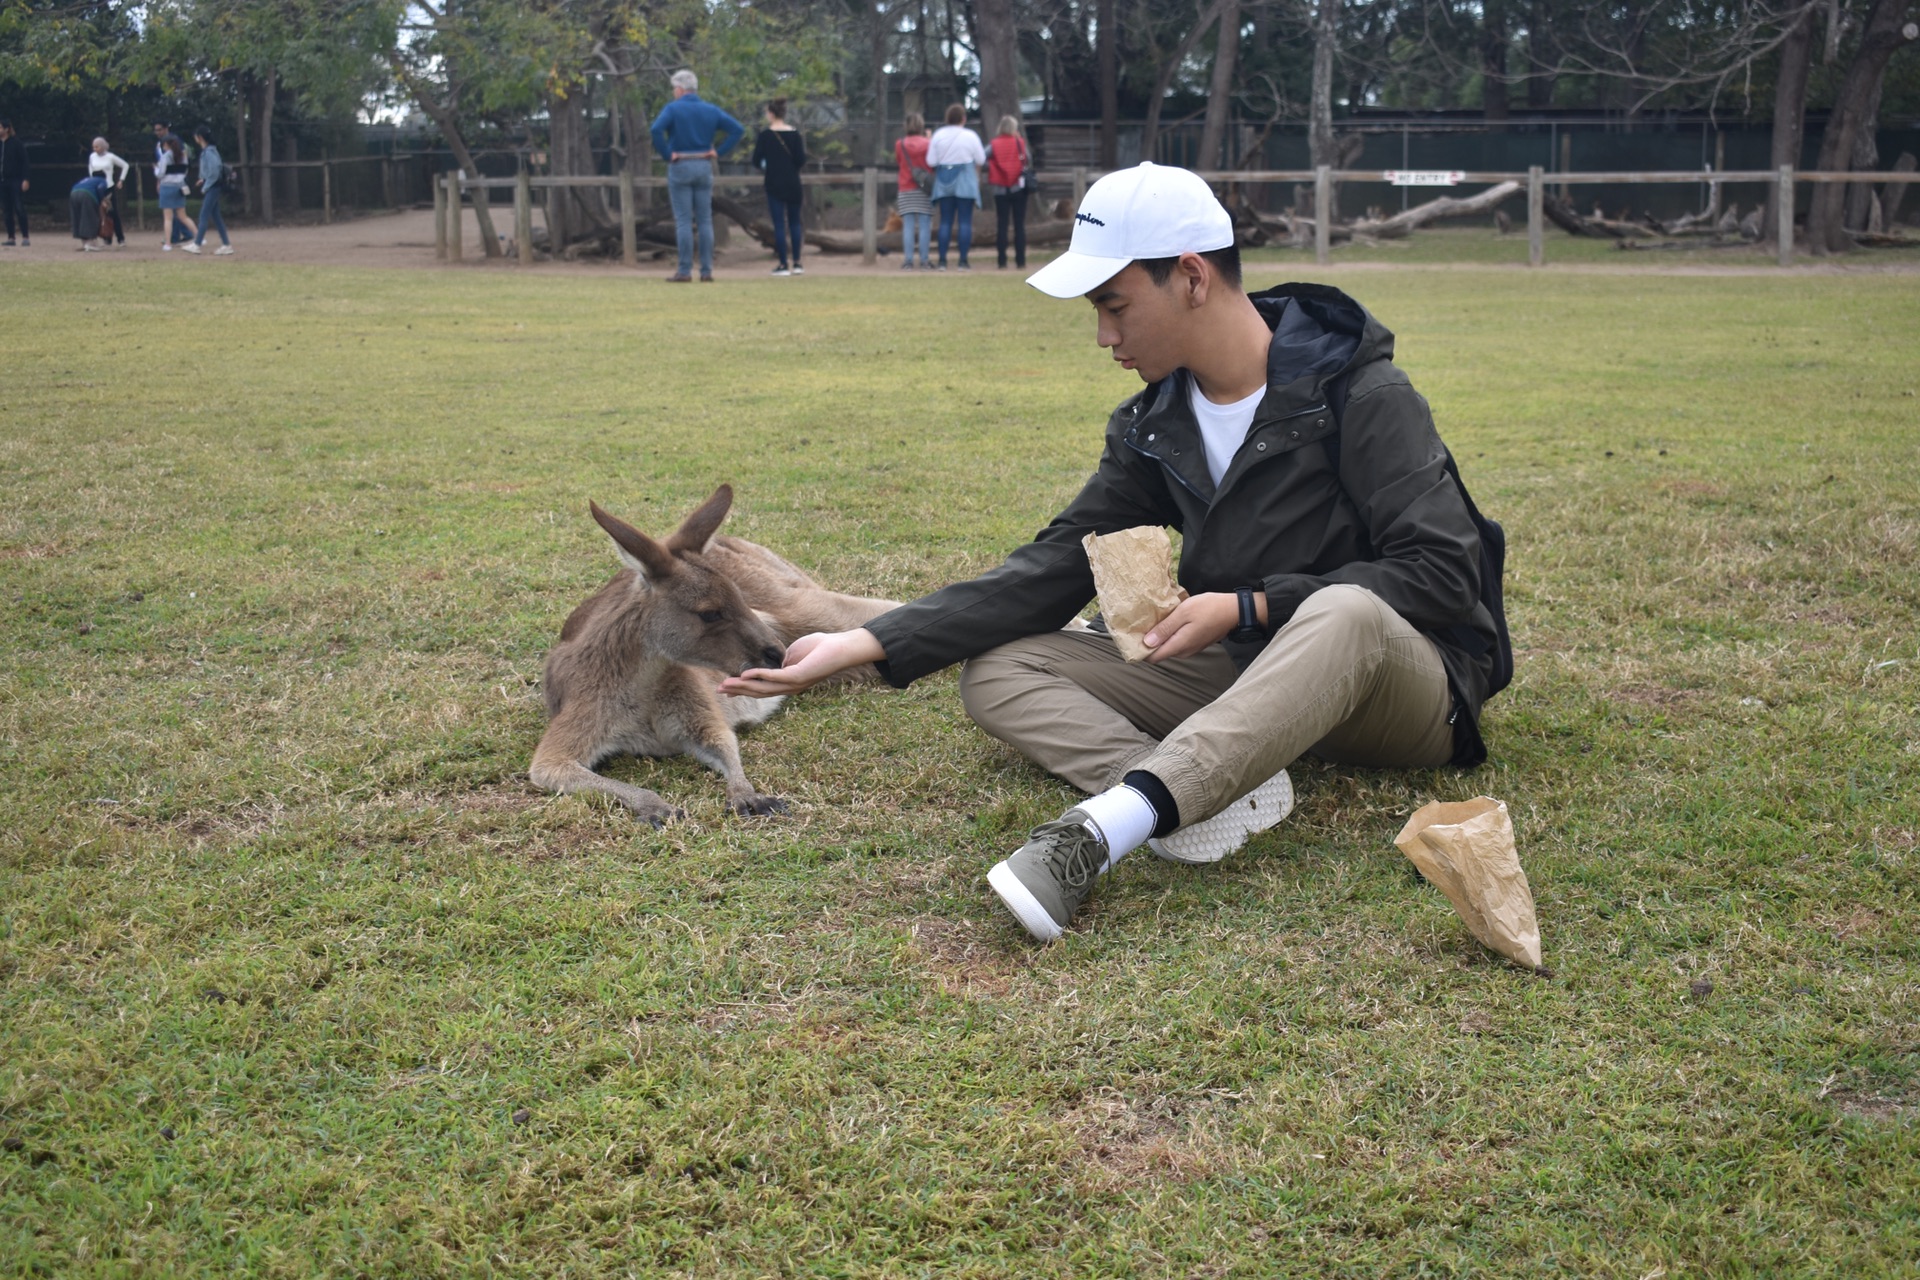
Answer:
(1467, 850)
(1133, 572)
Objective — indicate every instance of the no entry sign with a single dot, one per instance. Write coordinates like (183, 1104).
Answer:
(1425, 177)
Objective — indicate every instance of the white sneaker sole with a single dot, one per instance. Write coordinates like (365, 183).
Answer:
(1025, 907)
(1220, 835)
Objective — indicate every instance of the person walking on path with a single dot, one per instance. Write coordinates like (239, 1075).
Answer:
(1341, 598)
(914, 204)
(170, 173)
(164, 146)
(16, 176)
(955, 155)
(1010, 174)
(213, 185)
(781, 154)
(102, 163)
(683, 134)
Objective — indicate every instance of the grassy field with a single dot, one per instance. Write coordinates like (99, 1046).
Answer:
(298, 976)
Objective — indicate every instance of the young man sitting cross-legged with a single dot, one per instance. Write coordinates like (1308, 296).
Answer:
(1331, 559)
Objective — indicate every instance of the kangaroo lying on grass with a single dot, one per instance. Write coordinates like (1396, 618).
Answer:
(638, 665)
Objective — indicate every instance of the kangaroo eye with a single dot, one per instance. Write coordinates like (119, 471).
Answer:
(711, 616)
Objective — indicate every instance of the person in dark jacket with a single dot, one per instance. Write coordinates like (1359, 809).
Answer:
(781, 154)
(1331, 562)
(15, 178)
(684, 135)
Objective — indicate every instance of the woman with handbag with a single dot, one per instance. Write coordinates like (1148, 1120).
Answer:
(1010, 174)
(955, 155)
(780, 153)
(914, 204)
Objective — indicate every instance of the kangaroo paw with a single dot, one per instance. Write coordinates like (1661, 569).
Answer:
(759, 806)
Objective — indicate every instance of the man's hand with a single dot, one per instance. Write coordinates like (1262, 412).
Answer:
(1197, 622)
(810, 659)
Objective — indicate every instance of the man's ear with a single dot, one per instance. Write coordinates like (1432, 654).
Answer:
(1195, 277)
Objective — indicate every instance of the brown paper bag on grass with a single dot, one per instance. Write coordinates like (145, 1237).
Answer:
(1467, 850)
(1133, 572)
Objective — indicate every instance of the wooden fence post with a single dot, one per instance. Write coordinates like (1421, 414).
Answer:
(1079, 186)
(523, 216)
(629, 235)
(869, 216)
(1536, 210)
(140, 195)
(1322, 214)
(1783, 234)
(326, 190)
(453, 215)
(439, 220)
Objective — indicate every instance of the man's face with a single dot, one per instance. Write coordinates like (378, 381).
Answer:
(159, 131)
(1141, 322)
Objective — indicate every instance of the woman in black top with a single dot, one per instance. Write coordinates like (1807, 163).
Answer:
(780, 153)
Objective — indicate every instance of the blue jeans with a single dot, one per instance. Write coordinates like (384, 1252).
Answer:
(210, 216)
(917, 226)
(690, 189)
(786, 226)
(950, 206)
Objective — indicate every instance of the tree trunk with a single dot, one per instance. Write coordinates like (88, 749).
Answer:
(261, 203)
(1540, 54)
(1108, 56)
(1882, 37)
(1326, 24)
(1494, 98)
(1865, 158)
(878, 50)
(443, 120)
(290, 178)
(993, 38)
(1789, 112)
(573, 213)
(1220, 88)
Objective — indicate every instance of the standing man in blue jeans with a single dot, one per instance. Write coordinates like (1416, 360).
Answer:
(683, 134)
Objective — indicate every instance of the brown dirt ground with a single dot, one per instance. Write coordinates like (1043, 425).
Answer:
(405, 240)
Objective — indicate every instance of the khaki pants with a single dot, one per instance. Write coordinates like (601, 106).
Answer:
(1347, 678)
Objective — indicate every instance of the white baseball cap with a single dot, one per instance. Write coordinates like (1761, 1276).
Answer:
(1148, 211)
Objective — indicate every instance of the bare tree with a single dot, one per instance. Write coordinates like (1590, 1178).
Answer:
(1789, 110)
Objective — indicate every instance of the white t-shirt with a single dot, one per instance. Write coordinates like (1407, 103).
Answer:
(1223, 427)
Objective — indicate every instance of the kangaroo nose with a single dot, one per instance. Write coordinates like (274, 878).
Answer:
(772, 656)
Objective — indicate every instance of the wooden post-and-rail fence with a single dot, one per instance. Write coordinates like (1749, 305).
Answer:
(449, 189)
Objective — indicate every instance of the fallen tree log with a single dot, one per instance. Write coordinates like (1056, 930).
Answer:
(1403, 224)
(1563, 216)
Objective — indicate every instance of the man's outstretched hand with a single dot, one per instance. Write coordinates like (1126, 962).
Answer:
(810, 659)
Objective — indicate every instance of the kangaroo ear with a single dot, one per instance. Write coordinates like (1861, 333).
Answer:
(637, 551)
(698, 529)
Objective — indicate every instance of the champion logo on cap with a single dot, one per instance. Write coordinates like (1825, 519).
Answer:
(1148, 211)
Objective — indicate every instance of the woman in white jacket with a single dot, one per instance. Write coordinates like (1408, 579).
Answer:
(955, 155)
(103, 162)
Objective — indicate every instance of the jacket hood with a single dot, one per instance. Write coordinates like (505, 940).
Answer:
(1318, 332)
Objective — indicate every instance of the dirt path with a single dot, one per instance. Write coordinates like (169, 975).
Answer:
(404, 240)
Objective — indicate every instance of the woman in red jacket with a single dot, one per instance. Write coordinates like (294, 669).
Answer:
(915, 206)
(1010, 174)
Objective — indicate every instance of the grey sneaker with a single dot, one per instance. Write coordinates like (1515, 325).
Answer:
(1048, 878)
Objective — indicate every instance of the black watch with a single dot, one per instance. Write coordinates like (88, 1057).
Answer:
(1249, 631)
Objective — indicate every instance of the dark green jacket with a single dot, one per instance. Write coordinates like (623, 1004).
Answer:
(1392, 520)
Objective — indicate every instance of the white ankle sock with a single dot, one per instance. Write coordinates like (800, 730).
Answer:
(1124, 817)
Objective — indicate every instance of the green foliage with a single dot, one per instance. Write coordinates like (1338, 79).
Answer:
(299, 976)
